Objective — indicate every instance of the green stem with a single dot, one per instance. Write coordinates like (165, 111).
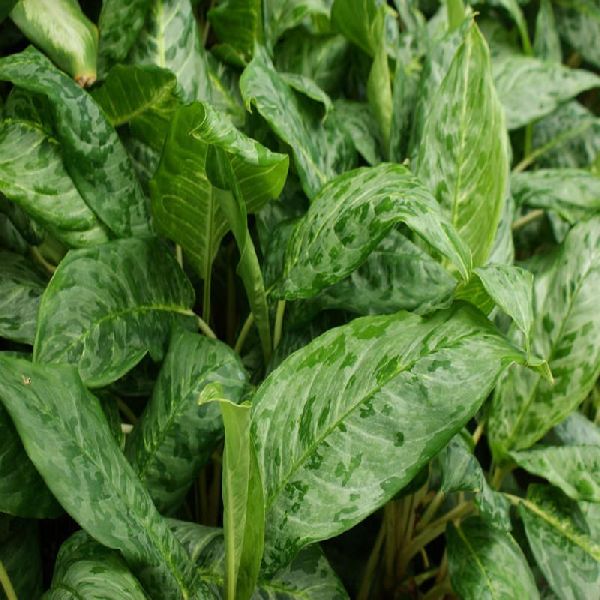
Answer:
(179, 255)
(7, 586)
(531, 216)
(206, 300)
(38, 257)
(126, 411)
(205, 329)
(365, 586)
(244, 333)
(429, 513)
(436, 528)
(278, 323)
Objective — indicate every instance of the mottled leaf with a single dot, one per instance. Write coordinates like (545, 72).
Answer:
(576, 430)
(461, 472)
(238, 25)
(530, 88)
(486, 562)
(170, 40)
(175, 437)
(572, 193)
(308, 576)
(313, 150)
(93, 154)
(86, 569)
(119, 25)
(22, 491)
(463, 157)
(557, 535)
(564, 333)
(579, 24)
(21, 286)
(349, 442)
(144, 97)
(547, 43)
(32, 174)
(574, 469)
(510, 287)
(360, 125)
(351, 215)
(107, 306)
(68, 439)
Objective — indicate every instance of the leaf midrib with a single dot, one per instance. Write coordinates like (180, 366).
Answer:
(363, 398)
(113, 315)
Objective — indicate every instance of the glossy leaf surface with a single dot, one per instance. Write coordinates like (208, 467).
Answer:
(568, 557)
(485, 562)
(574, 469)
(564, 332)
(463, 157)
(175, 436)
(98, 165)
(328, 244)
(108, 306)
(89, 474)
(357, 383)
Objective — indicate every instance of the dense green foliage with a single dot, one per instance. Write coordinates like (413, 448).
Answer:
(299, 299)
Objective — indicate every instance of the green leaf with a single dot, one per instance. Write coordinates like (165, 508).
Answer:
(5, 7)
(119, 24)
(510, 287)
(547, 43)
(461, 472)
(89, 570)
(579, 25)
(397, 275)
(238, 25)
(93, 154)
(308, 576)
(514, 10)
(463, 156)
(359, 123)
(564, 333)
(17, 230)
(314, 147)
(197, 212)
(576, 430)
(567, 556)
(170, 40)
(572, 193)
(574, 469)
(32, 174)
(349, 442)
(305, 85)
(67, 438)
(379, 89)
(355, 21)
(22, 491)
(282, 15)
(486, 562)
(570, 137)
(530, 88)
(323, 58)
(348, 219)
(20, 555)
(106, 307)
(144, 97)
(174, 437)
(21, 286)
(244, 511)
(63, 32)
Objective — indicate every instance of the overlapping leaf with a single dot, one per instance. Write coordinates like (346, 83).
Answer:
(463, 156)
(93, 154)
(174, 436)
(108, 306)
(564, 333)
(348, 442)
(66, 436)
(351, 215)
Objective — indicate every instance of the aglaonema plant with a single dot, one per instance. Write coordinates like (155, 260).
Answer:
(299, 299)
